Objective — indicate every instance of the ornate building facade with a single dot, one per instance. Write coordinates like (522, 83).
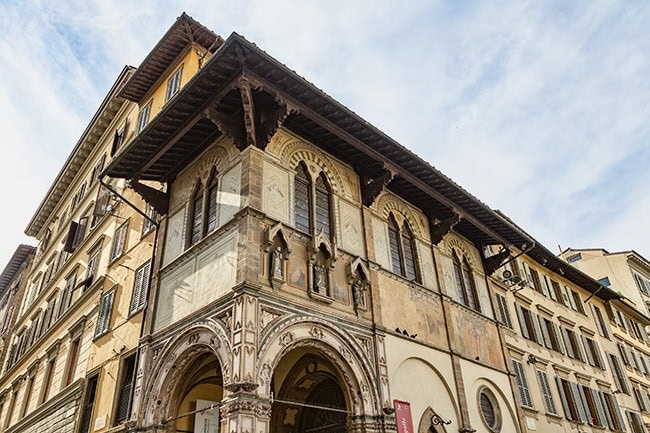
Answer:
(228, 247)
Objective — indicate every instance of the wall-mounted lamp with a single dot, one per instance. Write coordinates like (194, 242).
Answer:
(438, 420)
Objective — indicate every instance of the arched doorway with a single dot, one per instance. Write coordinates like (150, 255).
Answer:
(201, 385)
(308, 394)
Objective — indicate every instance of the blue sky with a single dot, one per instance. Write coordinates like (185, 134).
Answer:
(540, 109)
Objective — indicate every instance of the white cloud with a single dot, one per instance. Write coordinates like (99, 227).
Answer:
(533, 107)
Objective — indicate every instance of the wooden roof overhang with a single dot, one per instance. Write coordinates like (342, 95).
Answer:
(89, 138)
(184, 32)
(219, 100)
(19, 257)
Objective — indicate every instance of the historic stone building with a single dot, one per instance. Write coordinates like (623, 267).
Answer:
(306, 275)
(229, 247)
(73, 341)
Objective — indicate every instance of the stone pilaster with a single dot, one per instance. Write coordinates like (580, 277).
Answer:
(245, 413)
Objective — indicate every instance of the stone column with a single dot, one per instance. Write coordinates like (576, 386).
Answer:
(244, 412)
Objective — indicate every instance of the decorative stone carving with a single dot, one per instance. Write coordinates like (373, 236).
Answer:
(174, 236)
(229, 196)
(359, 279)
(275, 192)
(350, 225)
(380, 237)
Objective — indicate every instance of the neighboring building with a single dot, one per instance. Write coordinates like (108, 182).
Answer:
(78, 325)
(626, 272)
(13, 281)
(565, 356)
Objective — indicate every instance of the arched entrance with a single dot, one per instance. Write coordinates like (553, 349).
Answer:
(308, 394)
(201, 386)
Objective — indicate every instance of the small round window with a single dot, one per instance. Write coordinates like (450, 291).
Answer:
(489, 408)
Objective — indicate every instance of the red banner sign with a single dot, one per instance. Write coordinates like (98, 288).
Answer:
(403, 416)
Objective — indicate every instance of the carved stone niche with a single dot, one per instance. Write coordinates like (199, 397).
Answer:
(321, 264)
(359, 280)
(277, 249)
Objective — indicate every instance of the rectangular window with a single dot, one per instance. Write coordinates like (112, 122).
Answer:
(93, 266)
(143, 117)
(612, 411)
(534, 276)
(173, 84)
(574, 258)
(572, 345)
(89, 403)
(545, 387)
(73, 356)
(522, 384)
(636, 423)
(577, 302)
(642, 284)
(502, 309)
(140, 287)
(105, 310)
(126, 386)
(69, 290)
(639, 398)
(572, 400)
(618, 372)
(601, 323)
(527, 323)
(605, 281)
(80, 232)
(119, 241)
(147, 224)
(28, 396)
(593, 352)
(47, 379)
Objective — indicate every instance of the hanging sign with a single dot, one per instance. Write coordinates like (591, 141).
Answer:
(206, 421)
(403, 416)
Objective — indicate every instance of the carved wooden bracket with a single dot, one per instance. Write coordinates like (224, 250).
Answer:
(494, 262)
(228, 126)
(256, 122)
(438, 231)
(370, 188)
(158, 199)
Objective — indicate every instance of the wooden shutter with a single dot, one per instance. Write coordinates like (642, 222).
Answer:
(587, 348)
(124, 402)
(578, 401)
(567, 341)
(504, 313)
(69, 240)
(609, 416)
(538, 332)
(91, 390)
(105, 309)
(140, 287)
(524, 393)
(522, 321)
(546, 392)
(549, 288)
(563, 399)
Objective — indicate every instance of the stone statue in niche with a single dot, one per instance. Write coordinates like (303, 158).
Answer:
(320, 279)
(359, 287)
(277, 263)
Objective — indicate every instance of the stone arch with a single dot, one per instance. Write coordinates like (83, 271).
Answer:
(335, 345)
(388, 203)
(497, 391)
(297, 151)
(453, 242)
(425, 422)
(172, 361)
(438, 375)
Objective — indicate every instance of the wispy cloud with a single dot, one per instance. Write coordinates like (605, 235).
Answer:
(538, 108)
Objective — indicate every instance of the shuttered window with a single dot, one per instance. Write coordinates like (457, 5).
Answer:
(323, 213)
(73, 356)
(105, 310)
(601, 324)
(636, 423)
(502, 309)
(545, 387)
(619, 374)
(91, 390)
(143, 117)
(119, 241)
(642, 284)
(174, 84)
(302, 199)
(140, 287)
(522, 384)
(125, 391)
(93, 266)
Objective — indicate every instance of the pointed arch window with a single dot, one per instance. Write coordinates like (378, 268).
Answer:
(302, 199)
(465, 284)
(312, 203)
(402, 249)
(212, 216)
(196, 228)
(323, 200)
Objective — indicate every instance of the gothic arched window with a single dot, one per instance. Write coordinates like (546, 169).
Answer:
(402, 249)
(465, 284)
(312, 203)
(302, 199)
(196, 220)
(212, 216)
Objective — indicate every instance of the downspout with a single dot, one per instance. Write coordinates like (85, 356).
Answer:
(151, 267)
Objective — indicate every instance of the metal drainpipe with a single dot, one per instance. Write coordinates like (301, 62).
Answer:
(151, 267)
